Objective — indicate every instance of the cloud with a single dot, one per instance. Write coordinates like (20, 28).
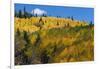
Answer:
(38, 11)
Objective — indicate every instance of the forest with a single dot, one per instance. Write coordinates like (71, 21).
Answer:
(47, 39)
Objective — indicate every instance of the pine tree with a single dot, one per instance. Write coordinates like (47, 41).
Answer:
(57, 23)
(18, 32)
(72, 18)
(25, 12)
(44, 57)
(16, 14)
(91, 24)
(20, 14)
(26, 38)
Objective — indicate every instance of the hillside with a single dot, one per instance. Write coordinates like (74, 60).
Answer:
(40, 40)
(35, 23)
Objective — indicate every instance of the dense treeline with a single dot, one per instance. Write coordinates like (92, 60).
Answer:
(24, 14)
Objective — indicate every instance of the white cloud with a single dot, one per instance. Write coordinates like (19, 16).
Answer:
(38, 11)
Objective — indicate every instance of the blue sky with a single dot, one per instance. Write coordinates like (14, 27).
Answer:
(79, 13)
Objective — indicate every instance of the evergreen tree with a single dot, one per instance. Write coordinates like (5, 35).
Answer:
(44, 57)
(16, 14)
(44, 15)
(91, 24)
(26, 38)
(72, 18)
(18, 32)
(38, 40)
(40, 20)
(25, 12)
(57, 23)
(20, 14)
